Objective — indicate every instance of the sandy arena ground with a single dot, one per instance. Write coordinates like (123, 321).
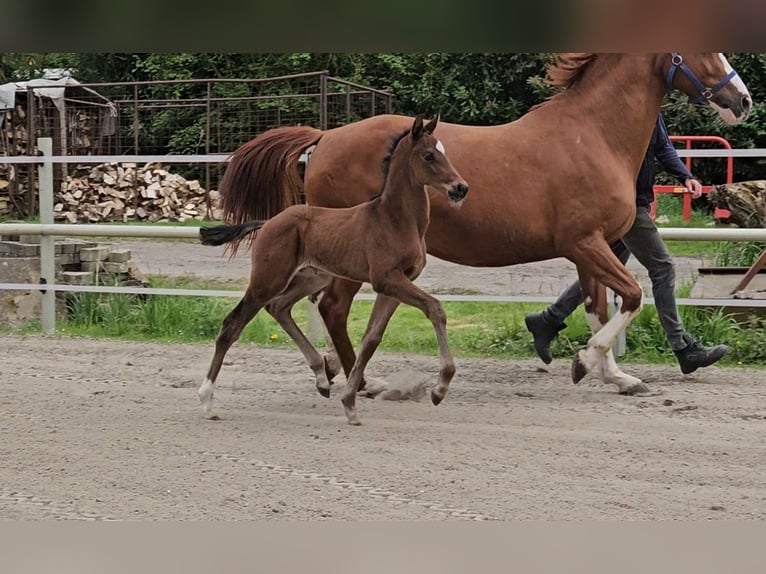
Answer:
(113, 430)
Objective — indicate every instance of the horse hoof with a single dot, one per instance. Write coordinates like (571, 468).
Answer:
(331, 367)
(639, 390)
(436, 399)
(324, 392)
(578, 370)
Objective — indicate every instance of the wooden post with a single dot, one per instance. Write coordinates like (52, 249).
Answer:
(755, 268)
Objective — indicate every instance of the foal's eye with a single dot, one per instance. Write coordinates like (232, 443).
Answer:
(429, 157)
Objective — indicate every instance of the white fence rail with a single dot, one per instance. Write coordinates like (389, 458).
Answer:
(48, 230)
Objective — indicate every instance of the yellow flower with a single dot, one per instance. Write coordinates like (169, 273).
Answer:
(273, 336)
(739, 362)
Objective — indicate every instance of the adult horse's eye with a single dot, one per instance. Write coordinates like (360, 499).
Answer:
(429, 157)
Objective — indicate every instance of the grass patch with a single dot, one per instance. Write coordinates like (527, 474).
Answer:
(475, 329)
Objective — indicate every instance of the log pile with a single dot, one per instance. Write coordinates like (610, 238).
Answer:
(126, 192)
(745, 200)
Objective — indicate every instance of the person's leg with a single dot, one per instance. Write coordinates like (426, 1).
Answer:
(545, 325)
(644, 241)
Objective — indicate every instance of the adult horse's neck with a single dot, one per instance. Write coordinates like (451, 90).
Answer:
(403, 197)
(621, 95)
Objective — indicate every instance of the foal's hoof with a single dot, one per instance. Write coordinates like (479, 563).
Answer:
(436, 399)
(324, 392)
(331, 367)
(578, 370)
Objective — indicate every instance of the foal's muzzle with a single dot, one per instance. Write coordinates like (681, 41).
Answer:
(457, 192)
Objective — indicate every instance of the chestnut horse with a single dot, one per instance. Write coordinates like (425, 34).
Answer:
(557, 182)
(300, 250)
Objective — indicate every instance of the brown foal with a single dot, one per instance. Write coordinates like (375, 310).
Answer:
(299, 251)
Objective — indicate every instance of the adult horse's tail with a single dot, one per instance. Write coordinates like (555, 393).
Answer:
(261, 178)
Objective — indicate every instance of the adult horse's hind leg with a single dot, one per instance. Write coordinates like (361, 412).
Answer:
(596, 316)
(230, 331)
(597, 263)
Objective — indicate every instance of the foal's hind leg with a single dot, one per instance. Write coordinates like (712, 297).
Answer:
(334, 307)
(280, 308)
(597, 263)
(230, 331)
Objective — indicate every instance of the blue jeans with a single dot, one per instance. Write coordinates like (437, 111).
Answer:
(644, 242)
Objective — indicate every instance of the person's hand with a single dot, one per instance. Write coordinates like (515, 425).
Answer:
(694, 187)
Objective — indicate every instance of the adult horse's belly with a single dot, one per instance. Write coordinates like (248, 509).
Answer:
(507, 217)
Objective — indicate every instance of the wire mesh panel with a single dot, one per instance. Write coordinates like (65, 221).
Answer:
(209, 116)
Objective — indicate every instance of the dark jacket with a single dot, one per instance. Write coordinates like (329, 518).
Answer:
(661, 149)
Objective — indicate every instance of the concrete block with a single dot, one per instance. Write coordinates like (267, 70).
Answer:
(115, 267)
(16, 249)
(77, 277)
(66, 259)
(119, 256)
(94, 253)
(90, 266)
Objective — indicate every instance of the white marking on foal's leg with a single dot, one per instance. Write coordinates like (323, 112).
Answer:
(205, 394)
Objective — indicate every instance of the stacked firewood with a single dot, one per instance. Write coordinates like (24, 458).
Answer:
(125, 192)
(746, 200)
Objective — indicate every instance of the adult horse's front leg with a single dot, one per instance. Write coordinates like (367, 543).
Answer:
(598, 266)
(596, 316)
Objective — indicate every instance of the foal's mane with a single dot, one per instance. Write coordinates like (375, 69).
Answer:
(566, 71)
(387, 160)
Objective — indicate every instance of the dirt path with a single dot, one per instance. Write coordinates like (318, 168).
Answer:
(544, 278)
(112, 430)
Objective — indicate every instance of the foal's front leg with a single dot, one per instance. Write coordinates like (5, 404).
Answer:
(382, 310)
(399, 286)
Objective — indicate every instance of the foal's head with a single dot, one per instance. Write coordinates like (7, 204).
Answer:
(709, 79)
(430, 165)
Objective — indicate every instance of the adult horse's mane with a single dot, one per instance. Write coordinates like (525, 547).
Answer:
(565, 71)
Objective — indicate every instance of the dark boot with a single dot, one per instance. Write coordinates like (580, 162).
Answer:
(543, 333)
(695, 356)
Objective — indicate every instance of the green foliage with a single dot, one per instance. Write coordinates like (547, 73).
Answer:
(738, 253)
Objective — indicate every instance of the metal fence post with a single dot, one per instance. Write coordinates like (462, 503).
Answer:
(620, 344)
(47, 243)
(315, 324)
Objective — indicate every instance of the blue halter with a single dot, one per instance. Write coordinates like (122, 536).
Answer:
(677, 62)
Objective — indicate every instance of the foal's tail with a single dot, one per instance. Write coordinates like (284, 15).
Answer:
(221, 234)
(261, 178)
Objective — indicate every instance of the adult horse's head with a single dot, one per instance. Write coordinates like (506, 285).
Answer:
(709, 79)
(430, 164)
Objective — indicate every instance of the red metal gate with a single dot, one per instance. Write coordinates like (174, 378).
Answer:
(687, 198)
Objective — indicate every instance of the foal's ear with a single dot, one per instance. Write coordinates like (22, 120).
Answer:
(431, 126)
(417, 128)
